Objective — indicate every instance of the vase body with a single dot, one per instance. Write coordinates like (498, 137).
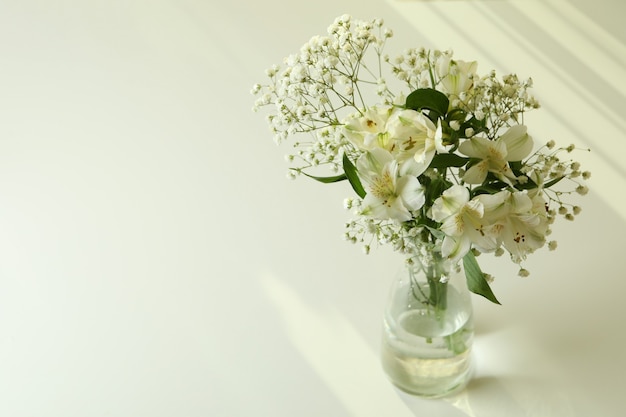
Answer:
(428, 329)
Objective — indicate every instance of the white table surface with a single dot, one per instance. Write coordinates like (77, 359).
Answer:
(155, 261)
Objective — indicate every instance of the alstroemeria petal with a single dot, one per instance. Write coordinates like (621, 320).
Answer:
(411, 135)
(367, 130)
(476, 147)
(423, 160)
(389, 194)
(450, 202)
(477, 173)
(411, 192)
(455, 248)
(441, 148)
(518, 143)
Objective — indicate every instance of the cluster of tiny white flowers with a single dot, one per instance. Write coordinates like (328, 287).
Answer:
(333, 77)
(414, 67)
(322, 84)
(500, 102)
(368, 231)
(548, 168)
(324, 150)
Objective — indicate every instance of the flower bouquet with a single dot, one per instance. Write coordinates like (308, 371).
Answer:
(438, 156)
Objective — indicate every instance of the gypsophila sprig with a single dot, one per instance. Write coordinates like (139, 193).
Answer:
(318, 86)
(442, 164)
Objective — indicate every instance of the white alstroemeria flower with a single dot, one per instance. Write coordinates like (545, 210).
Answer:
(369, 130)
(405, 133)
(522, 222)
(390, 195)
(439, 146)
(455, 76)
(514, 145)
(414, 136)
(463, 222)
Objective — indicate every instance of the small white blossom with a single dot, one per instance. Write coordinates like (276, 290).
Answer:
(390, 194)
(514, 145)
(463, 222)
(582, 190)
(450, 172)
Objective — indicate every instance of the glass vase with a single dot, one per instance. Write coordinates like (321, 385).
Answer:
(428, 329)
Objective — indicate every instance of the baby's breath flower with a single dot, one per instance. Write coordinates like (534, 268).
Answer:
(465, 168)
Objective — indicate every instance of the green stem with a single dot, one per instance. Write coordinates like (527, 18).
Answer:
(433, 294)
(438, 289)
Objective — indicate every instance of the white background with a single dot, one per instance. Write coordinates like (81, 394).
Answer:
(155, 261)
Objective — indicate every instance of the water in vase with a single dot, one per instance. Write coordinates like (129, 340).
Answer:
(428, 353)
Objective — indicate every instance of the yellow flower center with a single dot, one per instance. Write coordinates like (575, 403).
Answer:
(383, 188)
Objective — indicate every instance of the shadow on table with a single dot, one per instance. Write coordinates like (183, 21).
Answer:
(496, 397)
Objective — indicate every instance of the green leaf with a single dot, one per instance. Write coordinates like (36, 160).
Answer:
(326, 180)
(436, 232)
(434, 189)
(430, 99)
(516, 166)
(528, 185)
(476, 281)
(551, 183)
(445, 160)
(351, 174)
(456, 114)
(477, 125)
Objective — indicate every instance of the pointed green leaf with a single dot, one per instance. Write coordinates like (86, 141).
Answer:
(435, 188)
(445, 160)
(516, 165)
(528, 185)
(351, 174)
(436, 232)
(476, 281)
(457, 114)
(326, 180)
(477, 125)
(430, 99)
(551, 183)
